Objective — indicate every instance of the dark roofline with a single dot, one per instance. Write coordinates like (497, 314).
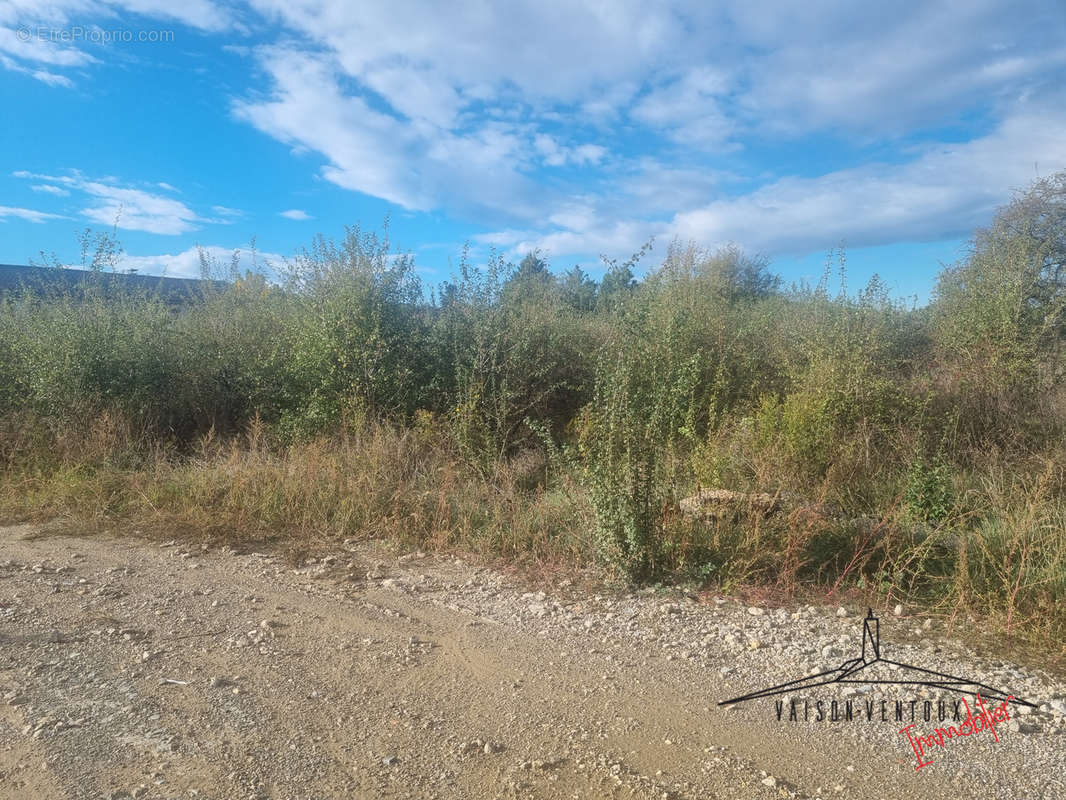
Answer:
(15, 278)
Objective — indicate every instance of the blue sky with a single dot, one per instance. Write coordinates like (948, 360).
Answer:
(580, 128)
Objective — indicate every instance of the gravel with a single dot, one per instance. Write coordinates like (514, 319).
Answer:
(175, 670)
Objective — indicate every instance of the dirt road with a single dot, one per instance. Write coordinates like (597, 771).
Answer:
(133, 669)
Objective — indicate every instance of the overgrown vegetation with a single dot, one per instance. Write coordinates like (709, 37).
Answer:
(549, 418)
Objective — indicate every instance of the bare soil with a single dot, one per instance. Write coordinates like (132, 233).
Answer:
(134, 668)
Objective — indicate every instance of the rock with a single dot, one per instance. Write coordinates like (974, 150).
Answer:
(377, 573)
(390, 761)
(769, 780)
(842, 612)
(898, 610)
(755, 611)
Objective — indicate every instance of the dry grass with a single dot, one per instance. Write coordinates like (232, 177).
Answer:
(375, 482)
(1000, 555)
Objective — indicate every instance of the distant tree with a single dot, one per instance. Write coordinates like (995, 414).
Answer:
(448, 294)
(532, 267)
(531, 278)
(617, 282)
(737, 275)
(619, 279)
(579, 290)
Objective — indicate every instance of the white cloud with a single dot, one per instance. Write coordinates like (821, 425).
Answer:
(411, 163)
(830, 63)
(126, 207)
(688, 109)
(295, 213)
(460, 107)
(945, 192)
(55, 32)
(49, 189)
(556, 154)
(224, 211)
(551, 49)
(27, 214)
(43, 75)
(137, 210)
(186, 264)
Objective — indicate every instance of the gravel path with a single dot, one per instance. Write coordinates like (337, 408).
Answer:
(133, 669)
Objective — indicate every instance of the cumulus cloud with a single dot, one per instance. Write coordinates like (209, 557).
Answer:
(186, 264)
(689, 108)
(556, 154)
(945, 192)
(537, 123)
(415, 165)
